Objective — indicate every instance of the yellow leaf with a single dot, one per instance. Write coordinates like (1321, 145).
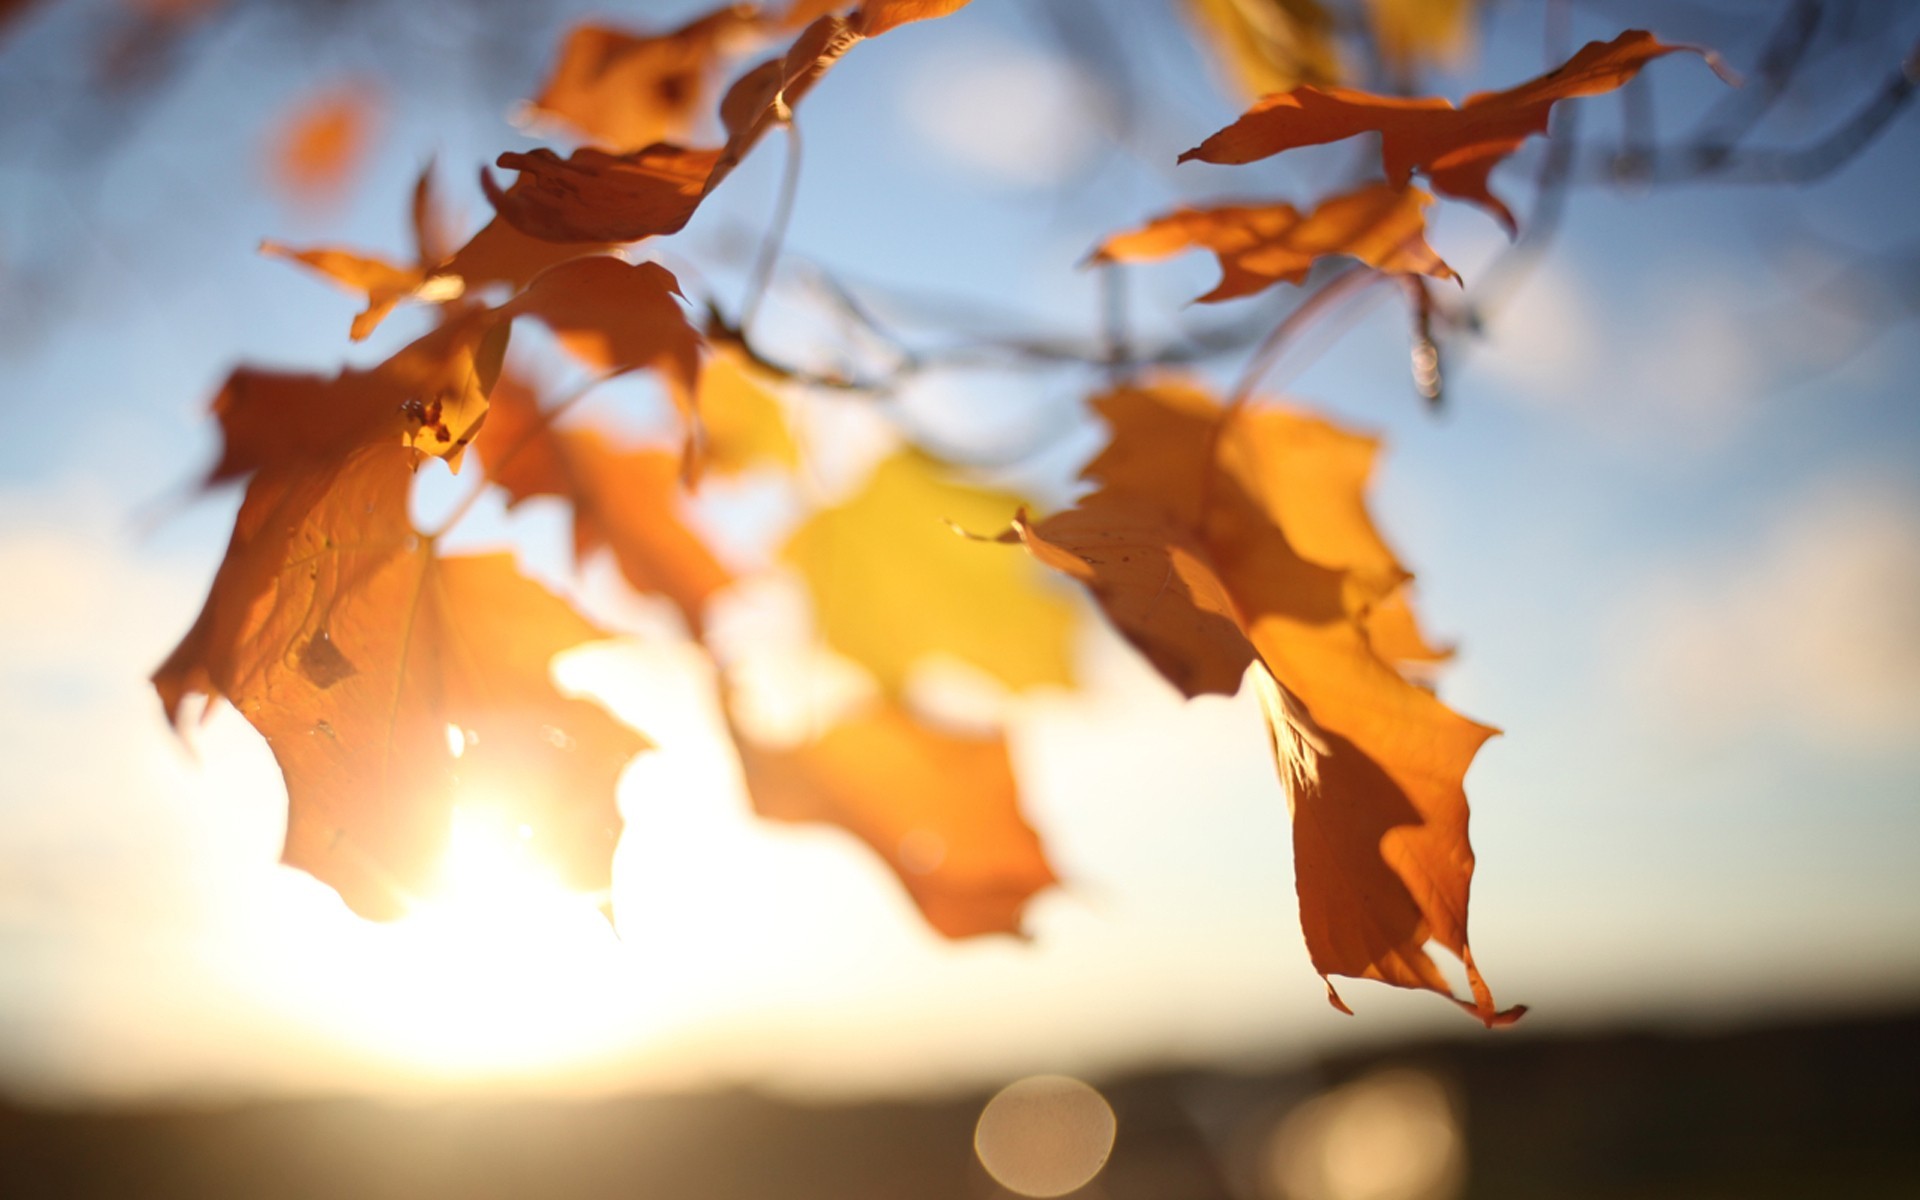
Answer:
(1269, 45)
(744, 424)
(893, 583)
(1413, 32)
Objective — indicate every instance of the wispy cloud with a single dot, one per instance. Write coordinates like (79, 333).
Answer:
(1809, 630)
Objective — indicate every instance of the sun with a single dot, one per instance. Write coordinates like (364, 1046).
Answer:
(499, 972)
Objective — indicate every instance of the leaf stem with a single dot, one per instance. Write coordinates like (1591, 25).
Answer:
(490, 467)
(1267, 355)
(762, 279)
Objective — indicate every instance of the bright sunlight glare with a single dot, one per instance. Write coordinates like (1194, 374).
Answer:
(731, 929)
(504, 967)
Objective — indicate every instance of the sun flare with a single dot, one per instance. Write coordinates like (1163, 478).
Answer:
(500, 968)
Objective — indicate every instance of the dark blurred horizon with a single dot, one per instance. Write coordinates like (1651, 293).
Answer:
(1817, 1107)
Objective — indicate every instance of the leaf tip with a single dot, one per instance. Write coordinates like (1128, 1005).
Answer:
(1333, 997)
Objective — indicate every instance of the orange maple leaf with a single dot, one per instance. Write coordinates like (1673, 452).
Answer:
(878, 16)
(617, 317)
(1259, 245)
(873, 18)
(439, 273)
(1222, 538)
(431, 395)
(624, 500)
(629, 90)
(1456, 148)
(942, 809)
(594, 196)
(394, 685)
(320, 144)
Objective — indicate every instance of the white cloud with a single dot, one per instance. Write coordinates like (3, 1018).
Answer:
(1678, 371)
(1810, 630)
(1002, 112)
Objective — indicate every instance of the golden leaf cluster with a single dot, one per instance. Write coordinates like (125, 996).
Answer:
(1225, 539)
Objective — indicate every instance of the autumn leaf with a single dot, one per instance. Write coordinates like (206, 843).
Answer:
(1222, 538)
(321, 143)
(628, 90)
(384, 284)
(594, 196)
(626, 500)
(873, 18)
(941, 809)
(501, 254)
(430, 396)
(892, 583)
(429, 221)
(879, 16)
(617, 317)
(766, 96)
(439, 273)
(1157, 585)
(1261, 245)
(1268, 45)
(1456, 148)
(1412, 32)
(743, 423)
(394, 685)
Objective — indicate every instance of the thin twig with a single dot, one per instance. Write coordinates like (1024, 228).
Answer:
(1115, 326)
(1347, 283)
(491, 467)
(1710, 162)
(1786, 48)
(769, 258)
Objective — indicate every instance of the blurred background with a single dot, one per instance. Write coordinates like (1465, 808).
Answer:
(1669, 507)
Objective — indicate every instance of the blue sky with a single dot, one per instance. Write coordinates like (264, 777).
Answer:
(1671, 514)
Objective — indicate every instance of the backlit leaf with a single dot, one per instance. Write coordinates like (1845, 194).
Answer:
(355, 649)
(1456, 148)
(594, 196)
(1268, 45)
(742, 420)
(431, 396)
(892, 583)
(497, 254)
(878, 16)
(321, 143)
(617, 317)
(1219, 539)
(626, 90)
(941, 809)
(384, 284)
(626, 500)
(1412, 32)
(1260, 245)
